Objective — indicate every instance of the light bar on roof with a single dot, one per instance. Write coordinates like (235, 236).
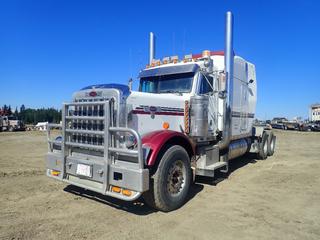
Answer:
(206, 54)
(166, 60)
(187, 58)
(174, 59)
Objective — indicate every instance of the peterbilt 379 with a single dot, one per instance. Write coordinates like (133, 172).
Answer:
(189, 117)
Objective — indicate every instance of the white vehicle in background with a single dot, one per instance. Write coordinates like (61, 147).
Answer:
(41, 126)
(190, 116)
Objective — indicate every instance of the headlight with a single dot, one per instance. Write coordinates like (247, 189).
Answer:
(127, 141)
(130, 141)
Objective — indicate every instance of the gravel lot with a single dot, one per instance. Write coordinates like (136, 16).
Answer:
(278, 198)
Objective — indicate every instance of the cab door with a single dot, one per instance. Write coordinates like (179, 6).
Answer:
(206, 87)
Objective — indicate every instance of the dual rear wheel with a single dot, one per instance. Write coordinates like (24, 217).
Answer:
(267, 145)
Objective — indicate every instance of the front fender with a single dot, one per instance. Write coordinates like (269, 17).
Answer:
(158, 139)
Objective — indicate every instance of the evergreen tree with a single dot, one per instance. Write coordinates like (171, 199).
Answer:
(9, 111)
(22, 108)
(16, 113)
(33, 116)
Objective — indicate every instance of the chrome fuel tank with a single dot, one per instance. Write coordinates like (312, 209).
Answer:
(199, 116)
(238, 148)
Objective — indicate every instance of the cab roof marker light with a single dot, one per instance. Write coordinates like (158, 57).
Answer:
(174, 59)
(187, 58)
(158, 62)
(206, 54)
(155, 62)
(166, 60)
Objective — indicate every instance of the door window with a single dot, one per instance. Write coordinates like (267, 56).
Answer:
(205, 84)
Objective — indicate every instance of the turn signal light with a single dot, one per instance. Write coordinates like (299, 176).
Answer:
(55, 173)
(116, 189)
(126, 192)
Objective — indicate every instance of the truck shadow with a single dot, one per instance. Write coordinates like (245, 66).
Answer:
(234, 164)
(137, 207)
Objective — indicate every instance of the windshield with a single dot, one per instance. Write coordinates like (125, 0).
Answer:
(174, 83)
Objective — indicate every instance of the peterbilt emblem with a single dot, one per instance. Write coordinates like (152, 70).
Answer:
(94, 94)
(152, 110)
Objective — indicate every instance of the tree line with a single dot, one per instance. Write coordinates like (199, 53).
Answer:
(31, 115)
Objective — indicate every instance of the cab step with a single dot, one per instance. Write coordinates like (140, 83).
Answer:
(216, 165)
(208, 171)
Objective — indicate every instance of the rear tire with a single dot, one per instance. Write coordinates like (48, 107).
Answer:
(169, 185)
(263, 147)
(271, 144)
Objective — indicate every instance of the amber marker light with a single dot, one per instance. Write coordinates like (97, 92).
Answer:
(165, 125)
(116, 189)
(126, 192)
(55, 173)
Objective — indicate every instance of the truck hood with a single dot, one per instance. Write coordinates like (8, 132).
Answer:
(167, 100)
(150, 111)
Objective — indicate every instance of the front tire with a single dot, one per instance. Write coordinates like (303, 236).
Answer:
(169, 185)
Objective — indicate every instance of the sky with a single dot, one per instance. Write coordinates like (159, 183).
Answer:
(50, 49)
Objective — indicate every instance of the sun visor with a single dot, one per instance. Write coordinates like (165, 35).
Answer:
(186, 68)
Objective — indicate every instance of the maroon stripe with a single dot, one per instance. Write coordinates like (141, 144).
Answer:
(158, 113)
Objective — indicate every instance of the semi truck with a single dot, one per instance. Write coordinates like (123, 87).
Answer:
(11, 123)
(189, 118)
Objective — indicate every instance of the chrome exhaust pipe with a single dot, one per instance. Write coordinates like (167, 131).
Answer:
(228, 100)
(151, 47)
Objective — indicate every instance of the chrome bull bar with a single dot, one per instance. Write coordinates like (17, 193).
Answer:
(76, 134)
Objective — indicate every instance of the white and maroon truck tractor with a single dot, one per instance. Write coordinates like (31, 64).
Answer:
(189, 117)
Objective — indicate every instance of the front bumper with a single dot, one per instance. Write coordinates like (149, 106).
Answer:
(123, 175)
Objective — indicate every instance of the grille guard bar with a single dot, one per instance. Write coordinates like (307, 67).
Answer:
(106, 141)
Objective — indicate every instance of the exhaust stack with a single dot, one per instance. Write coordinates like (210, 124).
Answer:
(151, 47)
(228, 62)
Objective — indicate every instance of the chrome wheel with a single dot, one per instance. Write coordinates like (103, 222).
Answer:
(265, 148)
(176, 178)
(272, 144)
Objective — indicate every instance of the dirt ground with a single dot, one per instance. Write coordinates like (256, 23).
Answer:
(278, 198)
